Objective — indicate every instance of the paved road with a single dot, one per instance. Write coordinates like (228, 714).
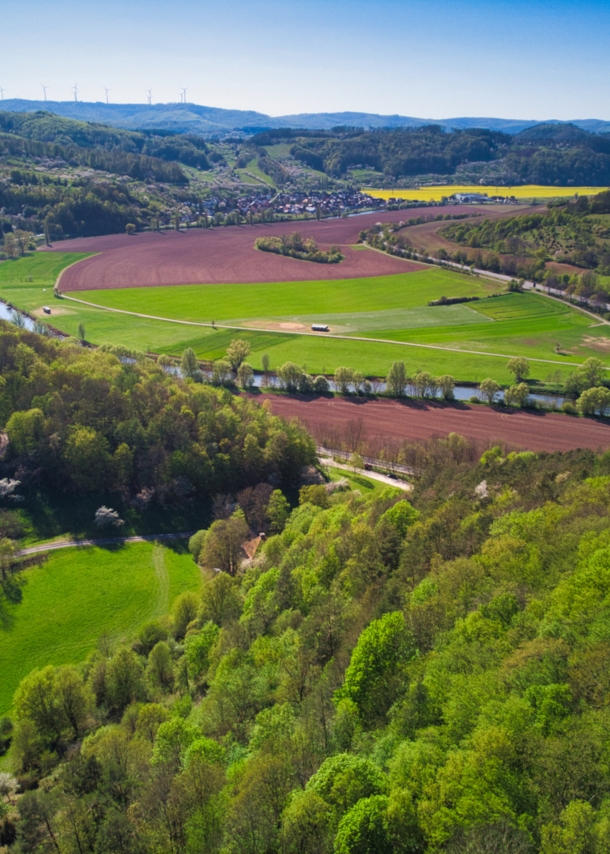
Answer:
(105, 541)
(380, 464)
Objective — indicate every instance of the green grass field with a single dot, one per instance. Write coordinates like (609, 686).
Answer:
(79, 595)
(392, 308)
(286, 299)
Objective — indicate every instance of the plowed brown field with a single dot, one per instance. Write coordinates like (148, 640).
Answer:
(411, 420)
(227, 255)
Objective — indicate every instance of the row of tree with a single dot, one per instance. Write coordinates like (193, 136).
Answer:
(585, 383)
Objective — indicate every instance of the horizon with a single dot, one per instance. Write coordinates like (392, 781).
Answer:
(477, 58)
(101, 103)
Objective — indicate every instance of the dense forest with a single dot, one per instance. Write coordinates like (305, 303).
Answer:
(547, 154)
(383, 675)
(81, 421)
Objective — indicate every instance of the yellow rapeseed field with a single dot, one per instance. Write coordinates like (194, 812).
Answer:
(527, 191)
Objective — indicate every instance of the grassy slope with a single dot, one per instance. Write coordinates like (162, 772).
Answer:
(78, 595)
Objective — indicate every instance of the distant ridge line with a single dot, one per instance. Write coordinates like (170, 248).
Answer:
(203, 120)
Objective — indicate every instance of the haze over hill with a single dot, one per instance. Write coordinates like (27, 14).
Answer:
(195, 118)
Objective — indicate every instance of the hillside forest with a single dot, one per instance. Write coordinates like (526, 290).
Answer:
(546, 154)
(382, 675)
(572, 232)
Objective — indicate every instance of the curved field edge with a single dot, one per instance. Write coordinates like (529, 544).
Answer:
(318, 354)
(78, 595)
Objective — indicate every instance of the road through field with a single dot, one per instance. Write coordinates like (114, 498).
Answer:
(328, 335)
(412, 420)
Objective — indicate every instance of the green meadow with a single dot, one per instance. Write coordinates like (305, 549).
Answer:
(391, 309)
(286, 299)
(78, 595)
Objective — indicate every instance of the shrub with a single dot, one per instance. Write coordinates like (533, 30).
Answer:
(106, 516)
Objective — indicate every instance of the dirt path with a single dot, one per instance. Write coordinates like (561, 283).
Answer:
(293, 332)
(415, 419)
(108, 541)
(162, 576)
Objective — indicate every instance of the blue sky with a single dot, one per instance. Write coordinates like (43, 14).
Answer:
(428, 58)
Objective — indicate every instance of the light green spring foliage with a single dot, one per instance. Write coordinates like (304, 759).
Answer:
(386, 676)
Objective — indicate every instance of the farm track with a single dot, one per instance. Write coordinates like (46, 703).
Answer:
(332, 335)
(160, 570)
(415, 420)
(227, 255)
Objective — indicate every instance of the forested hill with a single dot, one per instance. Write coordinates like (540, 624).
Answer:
(45, 127)
(67, 177)
(547, 154)
(384, 677)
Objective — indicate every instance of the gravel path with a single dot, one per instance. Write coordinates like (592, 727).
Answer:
(105, 541)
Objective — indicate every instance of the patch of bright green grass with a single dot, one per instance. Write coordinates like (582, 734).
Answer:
(356, 481)
(409, 318)
(525, 324)
(39, 267)
(517, 306)
(78, 595)
(276, 152)
(285, 299)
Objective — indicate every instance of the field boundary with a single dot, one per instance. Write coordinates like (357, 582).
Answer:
(69, 267)
(324, 335)
(105, 541)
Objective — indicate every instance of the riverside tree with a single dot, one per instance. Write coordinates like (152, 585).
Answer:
(237, 352)
(397, 379)
(490, 388)
(520, 367)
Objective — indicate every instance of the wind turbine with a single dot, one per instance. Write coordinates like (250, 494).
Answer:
(183, 95)
(106, 91)
(2, 91)
(149, 96)
(44, 89)
(75, 90)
